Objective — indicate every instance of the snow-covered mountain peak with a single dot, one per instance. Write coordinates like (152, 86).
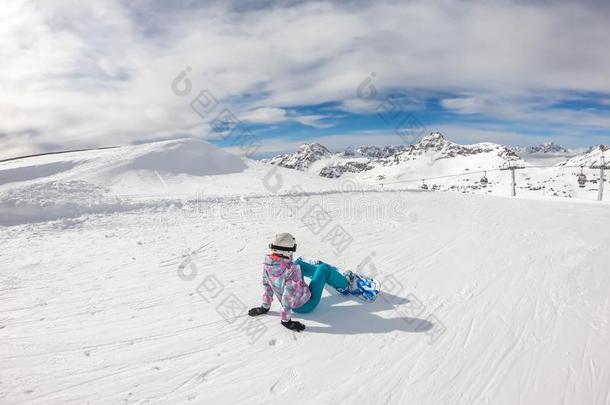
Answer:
(313, 149)
(548, 147)
(302, 159)
(443, 148)
(433, 141)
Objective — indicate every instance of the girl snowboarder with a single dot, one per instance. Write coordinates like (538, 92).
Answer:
(284, 278)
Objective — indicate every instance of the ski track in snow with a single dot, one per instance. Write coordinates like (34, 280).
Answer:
(95, 312)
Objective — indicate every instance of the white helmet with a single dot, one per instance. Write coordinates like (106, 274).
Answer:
(283, 244)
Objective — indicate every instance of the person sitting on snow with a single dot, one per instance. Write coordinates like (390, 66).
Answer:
(284, 278)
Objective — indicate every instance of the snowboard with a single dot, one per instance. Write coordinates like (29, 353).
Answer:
(367, 288)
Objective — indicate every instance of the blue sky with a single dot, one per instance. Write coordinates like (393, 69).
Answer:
(573, 123)
(114, 72)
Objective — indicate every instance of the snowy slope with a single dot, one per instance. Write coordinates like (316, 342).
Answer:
(595, 156)
(111, 308)
(67, 185)
(167, 167)
(119, 267)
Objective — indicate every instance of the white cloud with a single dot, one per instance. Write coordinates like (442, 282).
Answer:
(265, 115)
(313, 121)
(274, 115)
(99, 72)
(465, 105)
(527, 110)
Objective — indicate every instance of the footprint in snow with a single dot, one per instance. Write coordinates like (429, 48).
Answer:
(206, 375)
(275, 342)
(288, 381)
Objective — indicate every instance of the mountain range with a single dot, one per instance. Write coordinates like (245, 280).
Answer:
(451, 165)
(317, 158)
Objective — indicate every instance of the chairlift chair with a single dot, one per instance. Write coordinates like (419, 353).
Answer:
(582, 179)
(484, 180)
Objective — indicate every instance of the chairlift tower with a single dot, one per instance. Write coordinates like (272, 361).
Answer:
(512, 169)
(602, 167)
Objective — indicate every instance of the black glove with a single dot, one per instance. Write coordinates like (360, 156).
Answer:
(258, 311)
(294, 325)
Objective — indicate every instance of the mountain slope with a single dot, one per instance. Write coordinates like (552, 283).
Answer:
(593, 157)
(436, 163)
(68, 185)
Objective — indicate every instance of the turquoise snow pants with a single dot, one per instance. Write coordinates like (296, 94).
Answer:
(320, 275)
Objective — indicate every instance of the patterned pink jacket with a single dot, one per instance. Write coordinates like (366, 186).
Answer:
(283, 278)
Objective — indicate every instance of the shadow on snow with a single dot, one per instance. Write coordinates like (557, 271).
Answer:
(362, 317)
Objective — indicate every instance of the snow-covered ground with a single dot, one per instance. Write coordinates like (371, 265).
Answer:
(142, 300)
